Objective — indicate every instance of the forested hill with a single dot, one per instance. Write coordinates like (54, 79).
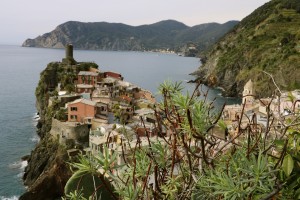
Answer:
(169, 34)
(265, 41)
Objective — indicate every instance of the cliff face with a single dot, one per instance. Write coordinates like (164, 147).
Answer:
(167, 34)
(47, 171)
(265, 41)
(55, 39)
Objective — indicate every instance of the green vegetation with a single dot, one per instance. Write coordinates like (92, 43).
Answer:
(191, 163)
(84, 185)
(266, 40)
(62, 114)
(162, 35)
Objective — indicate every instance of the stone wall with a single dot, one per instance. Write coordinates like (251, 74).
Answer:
(67, 131)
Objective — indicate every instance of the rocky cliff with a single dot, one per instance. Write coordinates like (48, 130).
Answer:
(265, 41)
(167, 34)
(47, 171)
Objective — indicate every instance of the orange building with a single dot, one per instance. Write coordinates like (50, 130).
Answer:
(81, 110)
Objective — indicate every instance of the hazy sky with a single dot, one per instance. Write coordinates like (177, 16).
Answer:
(27, 19)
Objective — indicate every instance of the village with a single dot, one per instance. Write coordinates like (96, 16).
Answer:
(106, 111)
(103, 110)
(264, 115)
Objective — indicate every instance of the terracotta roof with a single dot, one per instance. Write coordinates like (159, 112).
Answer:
(112, 72)
(126, 98)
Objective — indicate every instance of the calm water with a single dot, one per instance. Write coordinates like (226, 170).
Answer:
(19, 75)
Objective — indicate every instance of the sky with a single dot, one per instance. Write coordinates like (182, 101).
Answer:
(20, 19)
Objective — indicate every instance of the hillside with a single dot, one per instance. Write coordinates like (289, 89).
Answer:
(168, 34)
(266, 40)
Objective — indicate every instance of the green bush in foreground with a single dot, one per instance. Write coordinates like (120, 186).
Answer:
(187, 161)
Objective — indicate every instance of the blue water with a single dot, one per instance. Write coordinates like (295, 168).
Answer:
(19, 74)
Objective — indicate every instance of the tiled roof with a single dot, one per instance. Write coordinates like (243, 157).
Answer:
(87, 73)
(126, 98)
(84, 86)
(84, 101)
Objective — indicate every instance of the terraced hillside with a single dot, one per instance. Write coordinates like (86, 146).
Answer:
(268, 40)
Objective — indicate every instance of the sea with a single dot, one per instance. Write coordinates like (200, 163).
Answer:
(20, 68)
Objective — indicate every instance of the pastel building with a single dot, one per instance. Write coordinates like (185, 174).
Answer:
(82, 111)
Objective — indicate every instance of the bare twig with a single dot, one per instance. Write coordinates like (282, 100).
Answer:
(273, 81)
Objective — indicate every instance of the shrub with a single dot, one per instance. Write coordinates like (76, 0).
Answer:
(190, 162)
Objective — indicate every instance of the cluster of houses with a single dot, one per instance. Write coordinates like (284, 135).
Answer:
(257, 111)
(105, 110)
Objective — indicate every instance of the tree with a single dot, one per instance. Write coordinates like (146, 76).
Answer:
(61, 115)
(69, 88)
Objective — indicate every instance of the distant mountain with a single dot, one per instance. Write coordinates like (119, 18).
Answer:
(268, 40)
(168, 34)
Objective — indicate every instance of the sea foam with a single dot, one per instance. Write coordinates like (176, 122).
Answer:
(9, 198)
(19, 165)
(35, 139)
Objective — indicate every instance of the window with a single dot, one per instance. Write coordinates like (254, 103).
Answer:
(73, 108)
(103, 108)
(74, 117)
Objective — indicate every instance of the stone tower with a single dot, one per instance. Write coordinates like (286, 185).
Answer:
(69, 55)
(248, 93)
(69, 51)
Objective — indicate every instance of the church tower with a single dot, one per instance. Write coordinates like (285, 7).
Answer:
(248, 93)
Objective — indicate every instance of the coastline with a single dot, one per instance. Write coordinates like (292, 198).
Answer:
(51, 171)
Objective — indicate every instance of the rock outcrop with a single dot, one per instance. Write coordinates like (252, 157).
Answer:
(47, 171)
